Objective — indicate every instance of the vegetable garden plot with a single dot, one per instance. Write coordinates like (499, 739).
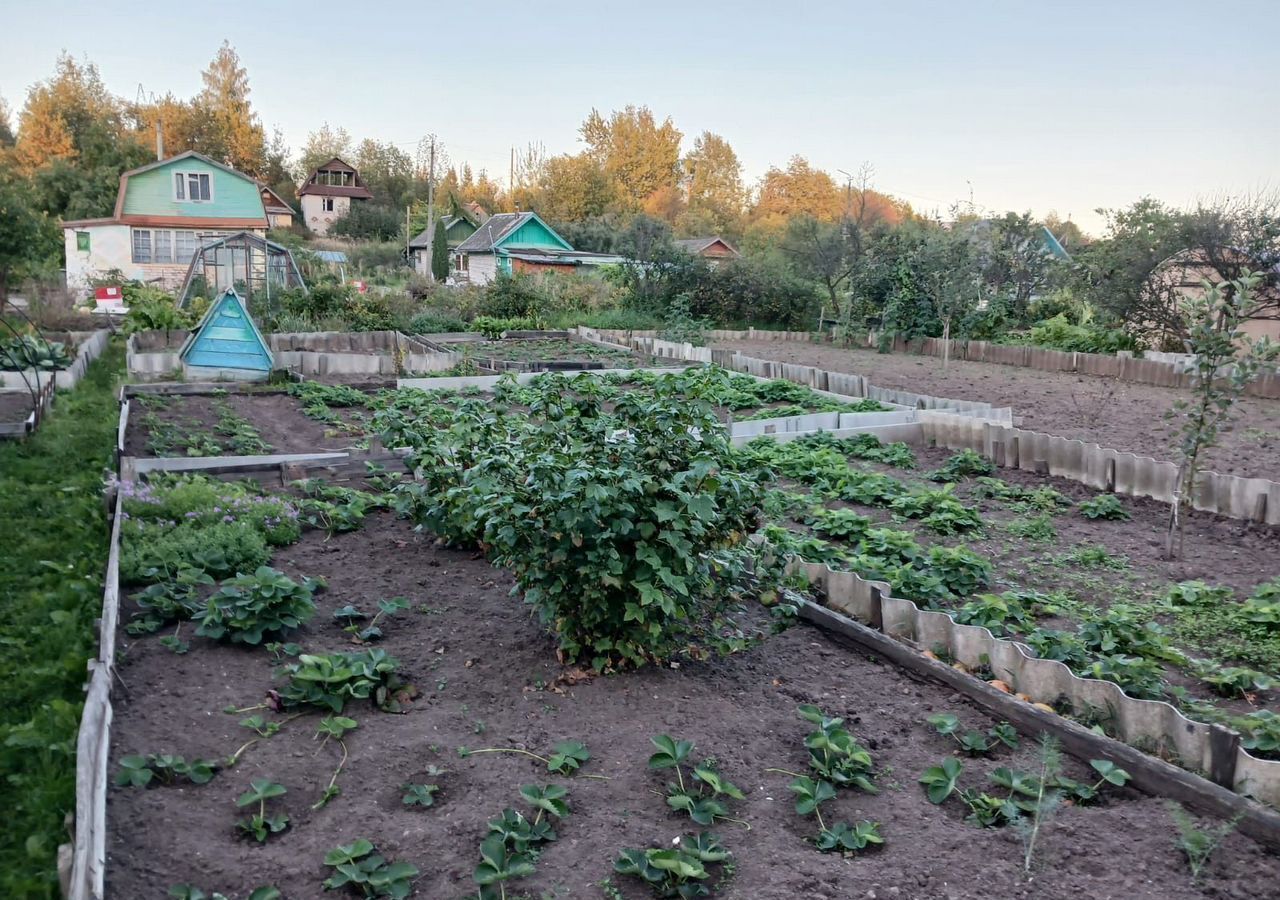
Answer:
(312, 416)
(483, 675)
(1074, 575)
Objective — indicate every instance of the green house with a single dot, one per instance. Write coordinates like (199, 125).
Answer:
(226, 345)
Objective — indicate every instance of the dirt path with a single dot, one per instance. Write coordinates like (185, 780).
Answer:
(1113, 413)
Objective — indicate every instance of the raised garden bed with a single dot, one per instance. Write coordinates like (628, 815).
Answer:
(484, 676)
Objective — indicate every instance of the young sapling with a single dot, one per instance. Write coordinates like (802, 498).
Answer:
(1196, 843)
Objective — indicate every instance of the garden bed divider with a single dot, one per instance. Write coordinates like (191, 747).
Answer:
(88, 347)
(1149, 773)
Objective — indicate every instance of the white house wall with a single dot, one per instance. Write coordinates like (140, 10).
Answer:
(482, 268)
(317, 219)
(110, 247)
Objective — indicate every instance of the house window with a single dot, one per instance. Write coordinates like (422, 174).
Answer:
(326, 203)
(141, 245)
(82, 241)
(192, 187)
(184, 245)
(162, 246)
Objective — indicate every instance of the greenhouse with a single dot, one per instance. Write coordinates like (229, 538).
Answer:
(249, 264)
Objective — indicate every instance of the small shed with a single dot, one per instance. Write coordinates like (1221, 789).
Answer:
(226, 345)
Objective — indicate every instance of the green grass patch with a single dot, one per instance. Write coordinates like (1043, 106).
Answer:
(53, 532)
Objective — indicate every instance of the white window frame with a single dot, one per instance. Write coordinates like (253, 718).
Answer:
(326, 204)
(183, 194)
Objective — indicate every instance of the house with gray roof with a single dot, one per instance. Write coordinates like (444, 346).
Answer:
(510, 243)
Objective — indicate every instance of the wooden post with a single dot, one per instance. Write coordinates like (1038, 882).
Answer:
(1224, 749)
(1110, 477)
(877, 609)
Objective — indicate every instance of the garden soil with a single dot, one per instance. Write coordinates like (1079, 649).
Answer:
(489, 678)
(1116, 414)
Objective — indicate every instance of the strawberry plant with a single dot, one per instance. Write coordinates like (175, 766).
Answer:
(842, 524)
(420, 794)
(974, 743)
(142, 770)
(834, 753)
(157, 551)
(247, 608)
(706, 792)
(350, 617)
(938, 510)
(1103, 506)
(869, 447)
(330, 680)
(563, 759)
(334, 728)
(367, 873)
(511, 846)
(260, 826)
(940, 781)
(168, 601)
(965, 464)
(848, 839)
(675, 872)
(1000, 614)
(961, 571)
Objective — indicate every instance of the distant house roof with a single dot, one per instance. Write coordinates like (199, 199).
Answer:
(490, 236)
(548, 256)
(273, 202)
(356, 189)
(118, 216)
(699, 245)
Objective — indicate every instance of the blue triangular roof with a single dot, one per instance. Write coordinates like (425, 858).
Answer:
(227, 338)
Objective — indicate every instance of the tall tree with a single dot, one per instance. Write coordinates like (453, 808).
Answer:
(70, 116)
(638, 154)
(440, 253)
(713, 184)
(25, 235)
(6, 126)
(386, 170)
(821, 251)
(572, 188)
(799, 189)
(225, 100)
(323, 145)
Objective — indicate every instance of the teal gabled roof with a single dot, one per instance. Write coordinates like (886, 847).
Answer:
(1053, 245)
(227, 338)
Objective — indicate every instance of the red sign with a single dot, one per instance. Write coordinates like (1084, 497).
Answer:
(360, 286)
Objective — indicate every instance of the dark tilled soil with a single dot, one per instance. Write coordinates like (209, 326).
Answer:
(15, 406)
(1113, 413)
(278, 419)
(481, 662)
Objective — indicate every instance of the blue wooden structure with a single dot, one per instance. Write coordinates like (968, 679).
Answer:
(226, 344)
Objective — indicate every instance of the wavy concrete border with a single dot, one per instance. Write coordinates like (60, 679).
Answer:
(1197, 746)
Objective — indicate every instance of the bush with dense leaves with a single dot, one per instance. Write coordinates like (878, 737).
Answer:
(625, 529)
(248, 608)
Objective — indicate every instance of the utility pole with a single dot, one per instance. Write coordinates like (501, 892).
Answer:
(511, 182)
(408, 236)
(431, 210)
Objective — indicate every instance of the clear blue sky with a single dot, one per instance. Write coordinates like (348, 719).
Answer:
(1037, 106)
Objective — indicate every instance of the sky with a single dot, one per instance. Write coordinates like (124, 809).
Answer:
(1063, 107)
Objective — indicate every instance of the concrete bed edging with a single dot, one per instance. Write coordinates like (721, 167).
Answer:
(1149, 773)
(1203, 747)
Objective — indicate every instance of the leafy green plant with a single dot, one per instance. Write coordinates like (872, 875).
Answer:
(248, 608)
(512, 844)
(1103, 506)
(869, 447)
(675, 872)
(420, 794)
(1033, 528)
(563, 759)
(163, 768)
(330, 680)
(834, 753)
(1046, 801)
(842, 524)
(260, 826)
(938, 510)
(153, 552)
(1196, 843)
(350, 617)
(360, 869)
(940, 781)
(704, 795)
(334, 728)
(848, 839)
(974, 743)
(1001, 614)
(965, 464)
